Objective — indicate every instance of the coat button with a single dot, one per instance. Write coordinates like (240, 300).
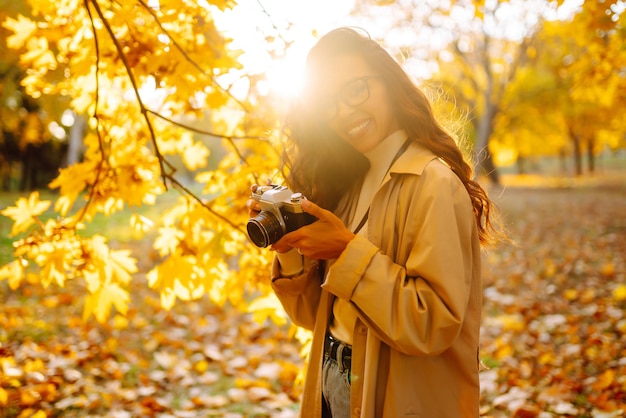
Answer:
(357, 412)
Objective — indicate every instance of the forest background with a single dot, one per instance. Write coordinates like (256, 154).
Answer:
(132, 131)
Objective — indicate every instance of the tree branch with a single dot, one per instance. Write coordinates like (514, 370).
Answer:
(131, 77)
(231, 139)
(145, 112)
(104, 157)
(188, 58)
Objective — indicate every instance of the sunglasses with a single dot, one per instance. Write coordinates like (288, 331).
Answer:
(353, 93)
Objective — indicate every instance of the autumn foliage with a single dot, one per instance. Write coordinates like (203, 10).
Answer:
(157, 83)
(138, 87)
(552, 336)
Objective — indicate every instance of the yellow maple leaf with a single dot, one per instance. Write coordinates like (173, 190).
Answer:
(177, 277)
(39, 54)
(25, 211)
(55, 260)
(73, 180)
(100, 302)
(13, 272)
(168, 240)
(93, 278)
(22, 27)
(106, 265)
(122, 265)
(195, 156)
(63, 205)
(266, 307)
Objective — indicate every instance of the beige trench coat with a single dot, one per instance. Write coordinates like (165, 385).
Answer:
(415, 283)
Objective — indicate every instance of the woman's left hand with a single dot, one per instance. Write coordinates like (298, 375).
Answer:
(324, 239)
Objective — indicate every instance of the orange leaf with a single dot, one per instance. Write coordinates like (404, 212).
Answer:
(4, 396)
(604, 380)
(619, 294)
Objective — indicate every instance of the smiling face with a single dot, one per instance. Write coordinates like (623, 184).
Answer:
(354, 101)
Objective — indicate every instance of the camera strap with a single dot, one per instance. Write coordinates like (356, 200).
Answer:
(395, 158)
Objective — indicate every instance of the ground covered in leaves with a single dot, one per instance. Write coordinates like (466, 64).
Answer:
(554, 335)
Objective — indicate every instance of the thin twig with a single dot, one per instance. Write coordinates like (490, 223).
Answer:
(103, 155)
(203, 132)
(230, 139)
(131, 77)
(179, 185)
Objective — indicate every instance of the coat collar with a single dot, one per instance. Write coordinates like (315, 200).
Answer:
(412, 161)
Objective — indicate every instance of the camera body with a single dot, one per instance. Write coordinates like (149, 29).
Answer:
(281, 213)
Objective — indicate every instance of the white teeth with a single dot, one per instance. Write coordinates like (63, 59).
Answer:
(357, 129)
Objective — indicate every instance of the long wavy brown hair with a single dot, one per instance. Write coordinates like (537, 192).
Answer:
(324, 167)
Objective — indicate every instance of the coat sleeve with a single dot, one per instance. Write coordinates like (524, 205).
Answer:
(416, 298)
(299, 294)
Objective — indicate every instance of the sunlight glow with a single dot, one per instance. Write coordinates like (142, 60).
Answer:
(285, 76)
(275, 35)
(295, 22)
(68, 118)
(57, 131)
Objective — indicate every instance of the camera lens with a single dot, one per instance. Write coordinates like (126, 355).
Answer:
(264, 229)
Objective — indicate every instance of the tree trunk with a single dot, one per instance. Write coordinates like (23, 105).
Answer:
(521, 164)
(578, 165)
(591, 158)
(563, 160)
(75, 142)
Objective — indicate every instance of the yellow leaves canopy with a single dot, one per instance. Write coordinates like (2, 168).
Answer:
(135, 71)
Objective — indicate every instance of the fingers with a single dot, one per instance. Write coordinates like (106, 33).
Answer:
(281, 247)
(253, 204)
(313, 209)
(254, 207)
(268, 182)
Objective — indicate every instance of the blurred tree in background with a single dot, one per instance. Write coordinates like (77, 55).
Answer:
(534, 78)
(30, 152)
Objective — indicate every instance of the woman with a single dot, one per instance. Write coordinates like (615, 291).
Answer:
(388, 277)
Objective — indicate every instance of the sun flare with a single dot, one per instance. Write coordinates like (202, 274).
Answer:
(285, 77)
(291, 26)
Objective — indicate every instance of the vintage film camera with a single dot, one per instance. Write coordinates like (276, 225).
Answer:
(281, 213)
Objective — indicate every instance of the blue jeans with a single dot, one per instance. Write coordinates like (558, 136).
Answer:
(336, 388)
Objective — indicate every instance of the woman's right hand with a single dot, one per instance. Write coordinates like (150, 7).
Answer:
(254, 207)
